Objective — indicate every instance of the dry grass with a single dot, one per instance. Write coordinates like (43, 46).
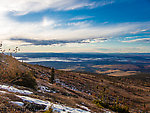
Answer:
(134, 89)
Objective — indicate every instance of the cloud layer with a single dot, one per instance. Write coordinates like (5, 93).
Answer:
(54, 42)
(50, 31)
(45, 29)
(145, 40)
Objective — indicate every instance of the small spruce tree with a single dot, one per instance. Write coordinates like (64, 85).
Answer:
(52, 76)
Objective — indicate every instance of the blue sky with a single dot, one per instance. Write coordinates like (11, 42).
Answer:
(103, 26)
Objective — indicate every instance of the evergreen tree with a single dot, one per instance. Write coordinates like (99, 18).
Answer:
(52, 75)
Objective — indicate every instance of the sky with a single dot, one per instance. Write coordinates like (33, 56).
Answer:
(102, 26)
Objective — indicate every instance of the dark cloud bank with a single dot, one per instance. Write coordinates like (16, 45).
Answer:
(49, 42)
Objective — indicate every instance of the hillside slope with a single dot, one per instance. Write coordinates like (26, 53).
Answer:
(27, 88)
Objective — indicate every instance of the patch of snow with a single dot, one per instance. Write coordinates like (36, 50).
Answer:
(65, 85)
(71, 87)
(3, 92)
(56, 107)
(89, 93)
(18, 103)
(3, 61)
(45, 89)
(84, 107)
(15, 90)
(65, 109)
(37, 101)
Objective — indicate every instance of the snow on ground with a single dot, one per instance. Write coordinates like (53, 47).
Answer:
(3, 92)
(18, 103)
(36, 101)
(84, 107)
(63, 84)
(70, 87)
(15, 90)
(45, 89)
(64, 109)
(56, 107)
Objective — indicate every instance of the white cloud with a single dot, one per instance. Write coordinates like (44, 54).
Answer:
(47, 22)
(106, 2)
(123, 50)
(145, 40)
(80, 24)
(81, 17)
(45, 29)
(144, 30)
(22, 7)
(132, 37)
(94, 40)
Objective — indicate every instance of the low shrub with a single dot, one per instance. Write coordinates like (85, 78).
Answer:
(27, 80)
(104, 101)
